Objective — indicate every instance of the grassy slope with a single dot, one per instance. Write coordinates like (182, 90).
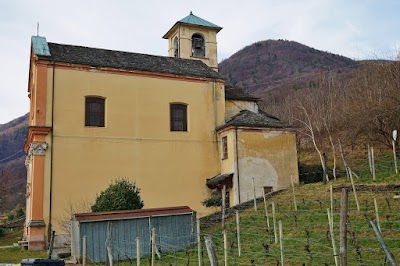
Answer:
(15, 255)
(258, 247)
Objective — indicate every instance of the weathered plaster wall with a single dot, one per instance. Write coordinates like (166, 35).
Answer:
(228, 165)
(233, 107)
(170, 168)
(268, 156)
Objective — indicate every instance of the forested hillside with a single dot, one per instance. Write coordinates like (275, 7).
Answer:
(327, 96)
(12, 158)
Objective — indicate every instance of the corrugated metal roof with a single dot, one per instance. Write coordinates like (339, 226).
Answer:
(195, 20)
(113, 215)
(40, 46)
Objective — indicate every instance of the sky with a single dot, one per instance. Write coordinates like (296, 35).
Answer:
(357, 29)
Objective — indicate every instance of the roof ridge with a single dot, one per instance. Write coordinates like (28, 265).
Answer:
(127, 52)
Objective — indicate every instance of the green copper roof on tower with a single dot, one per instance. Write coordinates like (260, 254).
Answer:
(195, 20)
(40, 46)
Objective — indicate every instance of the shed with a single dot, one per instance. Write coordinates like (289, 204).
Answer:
(175, 230)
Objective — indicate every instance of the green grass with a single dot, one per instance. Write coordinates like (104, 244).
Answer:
(10, 237)
(16, 254)
(307, 229)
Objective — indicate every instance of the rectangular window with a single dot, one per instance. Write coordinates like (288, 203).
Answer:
(94, 111)
(224, 147)
(178, 117)
(267, 189)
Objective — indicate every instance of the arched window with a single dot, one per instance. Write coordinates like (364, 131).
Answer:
(176, 47)
(198, 46)
(178, 116)
(94, 111)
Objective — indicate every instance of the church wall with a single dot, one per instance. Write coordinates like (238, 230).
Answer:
(269, 156)
(170, 168)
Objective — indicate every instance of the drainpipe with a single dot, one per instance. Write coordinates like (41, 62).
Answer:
(215, 104)
(49, 231)
(237, 161)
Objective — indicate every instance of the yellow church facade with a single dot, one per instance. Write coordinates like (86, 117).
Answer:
(167, 123)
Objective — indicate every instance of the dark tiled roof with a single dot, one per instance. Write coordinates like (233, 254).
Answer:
(218, 179)
(249, 119)
(237, 93)
(130, 61)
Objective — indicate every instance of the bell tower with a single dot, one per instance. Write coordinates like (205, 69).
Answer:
(194, 38)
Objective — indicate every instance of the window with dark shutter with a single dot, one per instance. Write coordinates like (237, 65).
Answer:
(178, 117)
(94, 111)
(224, 147)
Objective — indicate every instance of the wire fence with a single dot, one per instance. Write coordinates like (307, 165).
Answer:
(306, 239)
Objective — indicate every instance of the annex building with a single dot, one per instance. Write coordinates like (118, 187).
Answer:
(170, 124)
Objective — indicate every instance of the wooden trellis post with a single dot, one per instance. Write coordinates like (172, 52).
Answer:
(294, 194)
(274, 222)
(265, 207)
(238, 232)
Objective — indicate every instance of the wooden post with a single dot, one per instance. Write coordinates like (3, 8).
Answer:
(369, 159)
(373, 163)
(394, 157)
(153, 245)
(330, 220)
(377, 214)
(354, 189)
(343, 158)
(274, 222)
(223, 206)
(378, 234)
(238, 232)
(110, 257)
(84, 251)
(281, 241)
(137, 251)
(211, 251)
(326, 177)
(199, 253)
(343, 226)
(331, 194)
(108, 248)
(225, 248)
(265, 207)
(294, 195)
(254, 195)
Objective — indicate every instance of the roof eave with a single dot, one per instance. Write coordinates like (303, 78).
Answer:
(247, 99)
(168, 34)
(242, 125)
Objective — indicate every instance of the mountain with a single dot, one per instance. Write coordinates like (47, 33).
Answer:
(12, 167)
(269, 68)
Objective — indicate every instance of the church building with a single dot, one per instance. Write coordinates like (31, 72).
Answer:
(168, 123)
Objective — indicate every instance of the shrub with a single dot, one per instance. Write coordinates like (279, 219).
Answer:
(214, 201)
(10, 217)
(122, 194)
(20, 212)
